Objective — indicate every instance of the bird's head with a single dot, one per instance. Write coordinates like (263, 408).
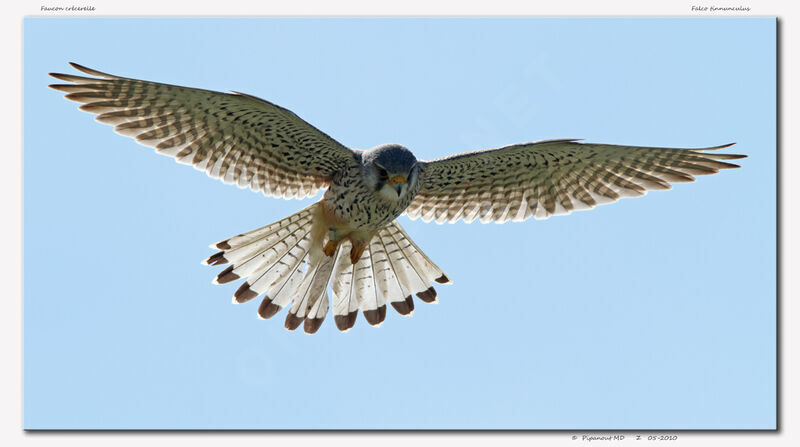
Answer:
(391, 170)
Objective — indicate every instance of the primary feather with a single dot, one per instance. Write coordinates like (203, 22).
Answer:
(237, 138)
(553, 177)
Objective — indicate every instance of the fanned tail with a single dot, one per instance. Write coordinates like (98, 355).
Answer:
(285, 262)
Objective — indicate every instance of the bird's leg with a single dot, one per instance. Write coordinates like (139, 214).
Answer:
(330, 247)
(357, 251)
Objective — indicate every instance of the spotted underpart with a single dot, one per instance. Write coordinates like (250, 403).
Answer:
(358, 204)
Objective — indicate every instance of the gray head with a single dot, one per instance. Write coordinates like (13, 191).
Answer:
(390, 169)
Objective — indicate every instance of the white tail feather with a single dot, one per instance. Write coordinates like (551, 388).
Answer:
(311, 290)
(345, 304)
(371, 302)
(386, 280)
(264, 281)
(271, 248)
(285, 261)
(418, 256)
(402, 267)
(266, 231)
(282, 293)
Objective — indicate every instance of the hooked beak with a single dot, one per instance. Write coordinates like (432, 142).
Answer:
(397, 183)
(397, 179)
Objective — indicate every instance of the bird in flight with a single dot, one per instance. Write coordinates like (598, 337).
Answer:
(350, 241)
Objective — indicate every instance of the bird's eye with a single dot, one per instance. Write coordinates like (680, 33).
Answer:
(382, 172)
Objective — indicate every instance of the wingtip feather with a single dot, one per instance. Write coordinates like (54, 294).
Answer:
(62, 76)
(90, 71)
(715, 148)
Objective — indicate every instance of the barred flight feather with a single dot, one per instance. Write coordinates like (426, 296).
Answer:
(551, 177)
(237, 138)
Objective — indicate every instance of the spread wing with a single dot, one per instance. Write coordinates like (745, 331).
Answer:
(545, 178)
(235, 137)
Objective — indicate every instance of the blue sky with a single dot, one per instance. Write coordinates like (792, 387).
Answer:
(650, 313)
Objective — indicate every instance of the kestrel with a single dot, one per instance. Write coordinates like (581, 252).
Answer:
(350, 241)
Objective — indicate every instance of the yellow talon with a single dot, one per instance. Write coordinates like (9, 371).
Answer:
(330, 248)
(356, 252)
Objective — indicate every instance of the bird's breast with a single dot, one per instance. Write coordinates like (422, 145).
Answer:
(353, 204)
